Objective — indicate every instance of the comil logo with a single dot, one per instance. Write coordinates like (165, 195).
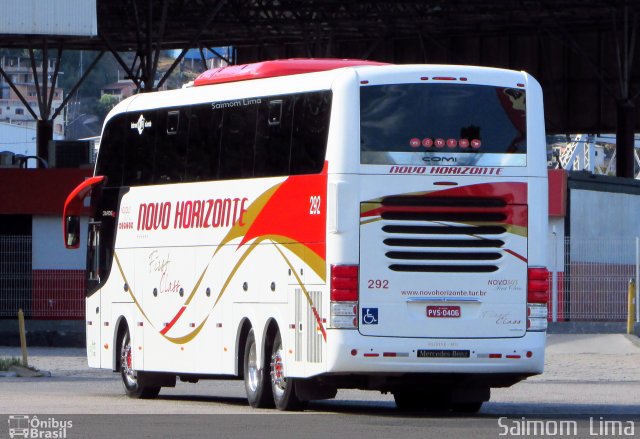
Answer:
(141, 124)
(24, 426)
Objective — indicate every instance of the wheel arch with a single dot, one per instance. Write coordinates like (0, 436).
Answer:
(241, 339)
(118, 334)
(271, 328)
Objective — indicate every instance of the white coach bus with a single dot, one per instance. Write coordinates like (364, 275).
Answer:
(310, 225)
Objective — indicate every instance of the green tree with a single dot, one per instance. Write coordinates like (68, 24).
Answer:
(104, 105)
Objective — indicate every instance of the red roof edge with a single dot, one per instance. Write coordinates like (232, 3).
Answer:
(38, 191)
(281, 67)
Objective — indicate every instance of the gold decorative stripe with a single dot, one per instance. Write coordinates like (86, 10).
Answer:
(304, 290)
(129, 289)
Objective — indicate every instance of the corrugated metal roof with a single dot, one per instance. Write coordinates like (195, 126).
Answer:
(46, 17)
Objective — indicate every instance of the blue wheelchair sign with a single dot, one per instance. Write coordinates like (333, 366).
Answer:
(369, 316)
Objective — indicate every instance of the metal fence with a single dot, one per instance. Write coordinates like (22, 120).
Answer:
(42, 294)
(15, 275)
(592, 278)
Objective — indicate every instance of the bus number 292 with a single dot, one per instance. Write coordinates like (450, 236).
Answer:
(315, 205)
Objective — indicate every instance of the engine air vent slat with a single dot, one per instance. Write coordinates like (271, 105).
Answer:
(444, 216)
(439, 256)
(444, 268)
(458, 243)
(445, 230)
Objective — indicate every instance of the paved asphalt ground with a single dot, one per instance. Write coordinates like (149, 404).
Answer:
(593, 380)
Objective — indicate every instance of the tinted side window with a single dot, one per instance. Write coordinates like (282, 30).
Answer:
(238, 137)
(171, 146)
(111, 153)
(273, 137)
(203, 153)
(140, 148)
(310, 132)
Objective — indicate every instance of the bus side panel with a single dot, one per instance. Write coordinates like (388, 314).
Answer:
(94, 324)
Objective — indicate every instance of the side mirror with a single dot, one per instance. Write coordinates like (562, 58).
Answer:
(72, 231)
(73, 208)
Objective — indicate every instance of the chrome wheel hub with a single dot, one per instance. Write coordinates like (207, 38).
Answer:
(252, 369)
(126, 364)
(278, 380)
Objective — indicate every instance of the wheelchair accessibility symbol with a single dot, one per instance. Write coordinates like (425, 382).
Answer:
(370, 316)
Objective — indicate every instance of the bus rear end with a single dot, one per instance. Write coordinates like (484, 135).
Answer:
(451, 289)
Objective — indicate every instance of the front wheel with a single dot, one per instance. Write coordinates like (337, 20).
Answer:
(132, 386)
(283, 388)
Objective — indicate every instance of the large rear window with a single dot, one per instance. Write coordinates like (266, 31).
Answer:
(443, 124)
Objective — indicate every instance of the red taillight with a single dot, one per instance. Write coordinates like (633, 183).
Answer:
(538, 285)
(344, 283)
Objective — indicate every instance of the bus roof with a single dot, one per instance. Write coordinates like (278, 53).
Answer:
(281, 67)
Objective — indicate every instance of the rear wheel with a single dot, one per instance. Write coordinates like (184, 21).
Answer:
(283, 388)
(256, 376)
(467, 407)
(407, 400)
(132, 386)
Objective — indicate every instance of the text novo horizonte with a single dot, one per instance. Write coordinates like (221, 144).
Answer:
(218, 212)
(445, 170)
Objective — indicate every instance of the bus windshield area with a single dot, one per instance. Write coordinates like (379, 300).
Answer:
(419, 123)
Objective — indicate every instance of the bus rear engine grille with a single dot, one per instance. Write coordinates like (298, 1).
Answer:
(444, 235)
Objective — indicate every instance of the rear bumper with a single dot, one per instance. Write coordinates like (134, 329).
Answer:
(352, 352)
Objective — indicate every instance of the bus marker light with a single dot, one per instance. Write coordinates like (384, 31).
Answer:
(513, 356)
(444, 78)
(106, 323)
(140, 323)
(424, 78)
(192, 325)
(89, 323)
(445, 183)
(354, 352)
(495, 355)
(365, 82)
(139, 348)
(106, 345)
(218, 325)
(463, 78)
(292, 326)
(520, 85)
(529, 354)
(388, 354)
(371, 354)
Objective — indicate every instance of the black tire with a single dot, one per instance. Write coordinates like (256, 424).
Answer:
(256, 376)
(412, 401)
(409, 401)
(467, 407)
(132, 387)
(282, 388)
